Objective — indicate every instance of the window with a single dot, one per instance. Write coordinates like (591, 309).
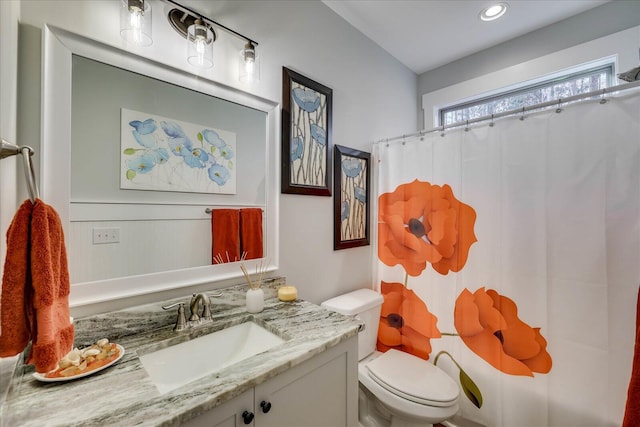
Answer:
(556, 88)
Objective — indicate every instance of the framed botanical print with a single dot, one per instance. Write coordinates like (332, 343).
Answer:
(306, 135)
(351, 198)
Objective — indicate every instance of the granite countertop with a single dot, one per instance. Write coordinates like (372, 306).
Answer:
(123, 394)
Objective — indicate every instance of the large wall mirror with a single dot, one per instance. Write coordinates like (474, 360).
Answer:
(164, 234)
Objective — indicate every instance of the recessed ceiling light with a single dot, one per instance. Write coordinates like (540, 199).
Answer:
(493, 12)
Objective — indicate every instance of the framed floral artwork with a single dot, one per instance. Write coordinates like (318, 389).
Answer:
(306, 135)
(164, 154)
(351, 198)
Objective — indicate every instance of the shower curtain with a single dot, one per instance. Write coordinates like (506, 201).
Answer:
(508, 254)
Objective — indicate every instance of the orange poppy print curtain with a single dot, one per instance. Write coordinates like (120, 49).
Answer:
(509, 256)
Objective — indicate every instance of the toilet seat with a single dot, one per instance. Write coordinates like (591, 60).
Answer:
(413, 379)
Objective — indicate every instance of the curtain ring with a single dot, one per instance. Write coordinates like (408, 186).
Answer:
(491, 123)
(466, 128)
(522, 116)
(442, 132)
(404, 142)
(604, 99)
(559, 109)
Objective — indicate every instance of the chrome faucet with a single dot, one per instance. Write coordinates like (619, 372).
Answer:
(206, 308)
(194, 319)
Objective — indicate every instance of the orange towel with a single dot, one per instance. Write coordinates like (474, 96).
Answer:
(251, 233)
(53, 334)
(225, 226)
(15, 323)
(632, 411)
(40, 254)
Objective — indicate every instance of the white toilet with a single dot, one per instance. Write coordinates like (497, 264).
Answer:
(397, 389)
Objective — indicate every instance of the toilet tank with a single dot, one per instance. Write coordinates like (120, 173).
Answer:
(365, 305)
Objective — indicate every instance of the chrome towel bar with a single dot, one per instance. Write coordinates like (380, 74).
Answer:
(9, 149)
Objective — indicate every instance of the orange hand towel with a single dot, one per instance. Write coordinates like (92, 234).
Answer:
(15, 323)
(632, 411)
(225, 226)
(52, 334)
(251, 233)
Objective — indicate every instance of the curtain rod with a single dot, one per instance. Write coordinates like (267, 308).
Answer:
(559, 102)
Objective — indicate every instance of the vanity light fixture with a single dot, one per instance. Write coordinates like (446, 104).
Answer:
(493, 12)
(135, 22)
(200, 34)
(200, 45)
(249, 64)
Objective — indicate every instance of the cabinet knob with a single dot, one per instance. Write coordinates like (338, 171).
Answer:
(247, 417)
(266, 406)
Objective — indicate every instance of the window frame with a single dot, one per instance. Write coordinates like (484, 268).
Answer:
(525, 87)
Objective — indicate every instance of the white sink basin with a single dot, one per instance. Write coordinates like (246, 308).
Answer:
(175, 366)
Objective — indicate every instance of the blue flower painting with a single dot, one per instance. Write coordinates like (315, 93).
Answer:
(308, 161)
(353, 193)
(164, 154)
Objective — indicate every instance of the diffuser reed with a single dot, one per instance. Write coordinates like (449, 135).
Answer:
(255, 294)
(260, 270)
(218, 259)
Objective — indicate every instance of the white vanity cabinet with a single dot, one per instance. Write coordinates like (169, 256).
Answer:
(229, 414)
(320, 392)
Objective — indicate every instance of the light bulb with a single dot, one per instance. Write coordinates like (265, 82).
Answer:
(136, 18)
(249, 66)
(136, 24)
(200, 45)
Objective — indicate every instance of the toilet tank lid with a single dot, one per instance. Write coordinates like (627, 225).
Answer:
(354, 302)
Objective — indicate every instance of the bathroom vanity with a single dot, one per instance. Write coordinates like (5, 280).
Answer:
(308, 380)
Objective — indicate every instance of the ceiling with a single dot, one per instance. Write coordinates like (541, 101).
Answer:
(426, 34)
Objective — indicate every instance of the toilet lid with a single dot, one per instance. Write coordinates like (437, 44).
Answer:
(414, 379)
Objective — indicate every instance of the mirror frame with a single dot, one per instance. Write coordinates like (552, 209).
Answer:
(55, 159)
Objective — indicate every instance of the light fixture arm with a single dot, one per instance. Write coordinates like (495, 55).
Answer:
(210, 21)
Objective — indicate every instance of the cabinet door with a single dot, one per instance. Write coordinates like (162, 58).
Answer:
(229, 414)
(320, 392)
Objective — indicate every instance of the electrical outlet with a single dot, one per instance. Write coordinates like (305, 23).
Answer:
(106, 235)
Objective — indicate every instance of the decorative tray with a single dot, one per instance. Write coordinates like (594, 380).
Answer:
(89, 371)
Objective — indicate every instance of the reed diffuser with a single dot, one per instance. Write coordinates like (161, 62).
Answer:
(255, 294)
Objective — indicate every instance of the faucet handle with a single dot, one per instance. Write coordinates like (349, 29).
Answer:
(206, 310)
(181, 321)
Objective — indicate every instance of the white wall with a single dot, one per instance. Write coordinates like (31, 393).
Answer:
(621, 47)
(540, 52)
(373, 95)
(9, 17)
